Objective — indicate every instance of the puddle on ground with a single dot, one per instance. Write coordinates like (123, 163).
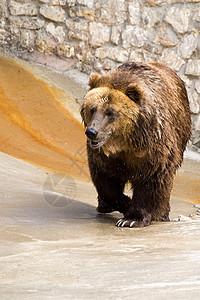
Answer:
(35, 126)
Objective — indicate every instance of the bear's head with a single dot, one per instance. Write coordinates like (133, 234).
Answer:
(110, 110)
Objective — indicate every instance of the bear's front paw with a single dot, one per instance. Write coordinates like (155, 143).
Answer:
(127, 222)
(135, 218)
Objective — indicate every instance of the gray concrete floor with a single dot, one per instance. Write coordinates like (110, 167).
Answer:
(55, 246)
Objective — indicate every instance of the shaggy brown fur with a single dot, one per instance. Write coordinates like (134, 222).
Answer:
(138, 124)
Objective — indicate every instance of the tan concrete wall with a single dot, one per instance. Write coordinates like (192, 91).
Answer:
(99, 35)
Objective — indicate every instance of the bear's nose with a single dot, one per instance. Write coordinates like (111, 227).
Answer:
(91, 133)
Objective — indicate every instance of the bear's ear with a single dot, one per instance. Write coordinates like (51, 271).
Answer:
(134, 92)
(93, 80)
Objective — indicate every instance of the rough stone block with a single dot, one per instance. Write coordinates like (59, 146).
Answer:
(197, 125)
(57, 32)
(149, 56)
(3, 10)
(102, 53)
(166, 37)
(89, 14)
(77, 26)
(172, 59)
(178, 18)
(26, 22)
(134, 13)
(136, 56)
(193, 67)
(194, 100)
(113, 12)
(188, 45)
(151, 16)
(54, 13)
(65, 51)
(115, 35)
(118, 55)
(99, 34)
(79, 36)
(107, 66)
(134, 36)
(4, 34)
(45, 43)
(27, 40)
(187, 81)
(196, 15)
(28, 9)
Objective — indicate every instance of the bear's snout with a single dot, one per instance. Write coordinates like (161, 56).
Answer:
(91, 133)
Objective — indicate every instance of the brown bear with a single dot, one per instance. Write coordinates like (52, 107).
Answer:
(138, 124)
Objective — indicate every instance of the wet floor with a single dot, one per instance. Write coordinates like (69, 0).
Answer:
(53, 244)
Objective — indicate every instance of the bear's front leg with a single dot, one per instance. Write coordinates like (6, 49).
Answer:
(150, 202)
(110, 193)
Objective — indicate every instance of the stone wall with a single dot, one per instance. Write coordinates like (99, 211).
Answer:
(100, 34)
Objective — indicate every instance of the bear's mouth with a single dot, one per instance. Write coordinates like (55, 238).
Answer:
(96, 144)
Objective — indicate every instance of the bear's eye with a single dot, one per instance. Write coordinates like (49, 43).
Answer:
(110, 112)
(92, 110)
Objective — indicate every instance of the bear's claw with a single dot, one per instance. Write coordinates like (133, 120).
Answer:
(133, 223)
(126, 223)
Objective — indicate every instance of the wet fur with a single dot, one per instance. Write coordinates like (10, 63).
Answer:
(144, 145)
